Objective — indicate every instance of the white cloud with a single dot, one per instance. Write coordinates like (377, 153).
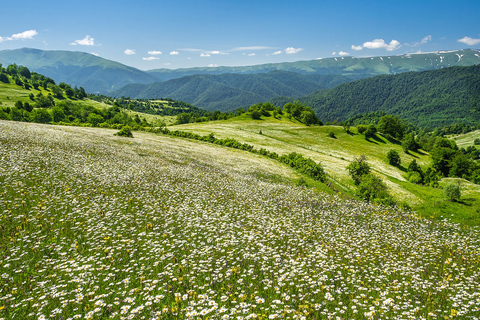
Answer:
(426, 39)
(173, 53)
(150, 58)
(469, 41)
(216, 52)
(204, 54)
(168, 64)
(251, 54)
(87, 41)
(357, 48)
(95, 54)
(343, 53)
(154, 53)
(292, 50)
(213, 65)
(423, 41)
(26, 35)
(334, 53)
(319, 59)
(129, 52)
(251, 48)
(277, 52)
(381, 44)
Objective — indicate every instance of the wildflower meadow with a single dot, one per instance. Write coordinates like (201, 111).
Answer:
(104, 227)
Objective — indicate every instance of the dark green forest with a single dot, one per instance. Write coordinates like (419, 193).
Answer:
(433, 98)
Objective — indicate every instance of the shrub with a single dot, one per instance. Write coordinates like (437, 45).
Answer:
(452, 191)
(393, 158)
(256, 115)
(126, 131)
(358, 168)
(476, 142)
(372, 188)
(331, 134)
(361, 128)
(415, 177)
(370, 132)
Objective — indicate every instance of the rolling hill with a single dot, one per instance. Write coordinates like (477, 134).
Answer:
(81, 69)
(229, 91)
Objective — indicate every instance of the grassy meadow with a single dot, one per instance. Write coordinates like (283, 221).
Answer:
(95, 226)
(284, 136)
(467, 139)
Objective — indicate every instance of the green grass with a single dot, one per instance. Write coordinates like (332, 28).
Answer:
(284, 136)
(467, 139)
(97, 226)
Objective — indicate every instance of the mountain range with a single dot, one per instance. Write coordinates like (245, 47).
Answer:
(97, 74)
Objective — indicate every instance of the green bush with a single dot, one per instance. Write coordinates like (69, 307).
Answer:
(415, 177)
(331, 134)
(476, 142)
(393, 158)
(126, 131)
(358, 168)
(372, 188)
(361, 128)
(452, 191)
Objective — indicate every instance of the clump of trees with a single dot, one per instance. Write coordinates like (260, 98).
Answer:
(369, 186)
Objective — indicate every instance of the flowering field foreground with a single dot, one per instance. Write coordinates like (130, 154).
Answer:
(98, 228)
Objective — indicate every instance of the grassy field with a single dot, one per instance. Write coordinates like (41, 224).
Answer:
(466, 140)
(95, 226)
(284, 136)
(11, 93)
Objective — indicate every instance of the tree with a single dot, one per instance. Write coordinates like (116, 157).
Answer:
(409, 143)
(69, 92)
(358, 168)
(23, 71)
(452, 191)
(58, 114)
(346, 126)
(476, 142)
(393, 158)
(256, 115)
(461, 166)
(441, 159)
(57, 92)
(361, 128)
(372, 188)
(4, 78)
(392, 126)
(40, 116)
(370, 132)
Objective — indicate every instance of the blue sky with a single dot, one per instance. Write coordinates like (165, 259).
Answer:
(178, 34)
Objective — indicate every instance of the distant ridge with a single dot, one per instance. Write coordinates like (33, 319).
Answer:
(94, 74)
(349, 66)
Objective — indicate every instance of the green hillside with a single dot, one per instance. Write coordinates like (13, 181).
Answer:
(284, 136)
(82, 69)
(98, 226)
(431, 98)
(32, 97)
(229, 91)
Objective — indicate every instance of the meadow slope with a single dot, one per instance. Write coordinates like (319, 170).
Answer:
(95, 226)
